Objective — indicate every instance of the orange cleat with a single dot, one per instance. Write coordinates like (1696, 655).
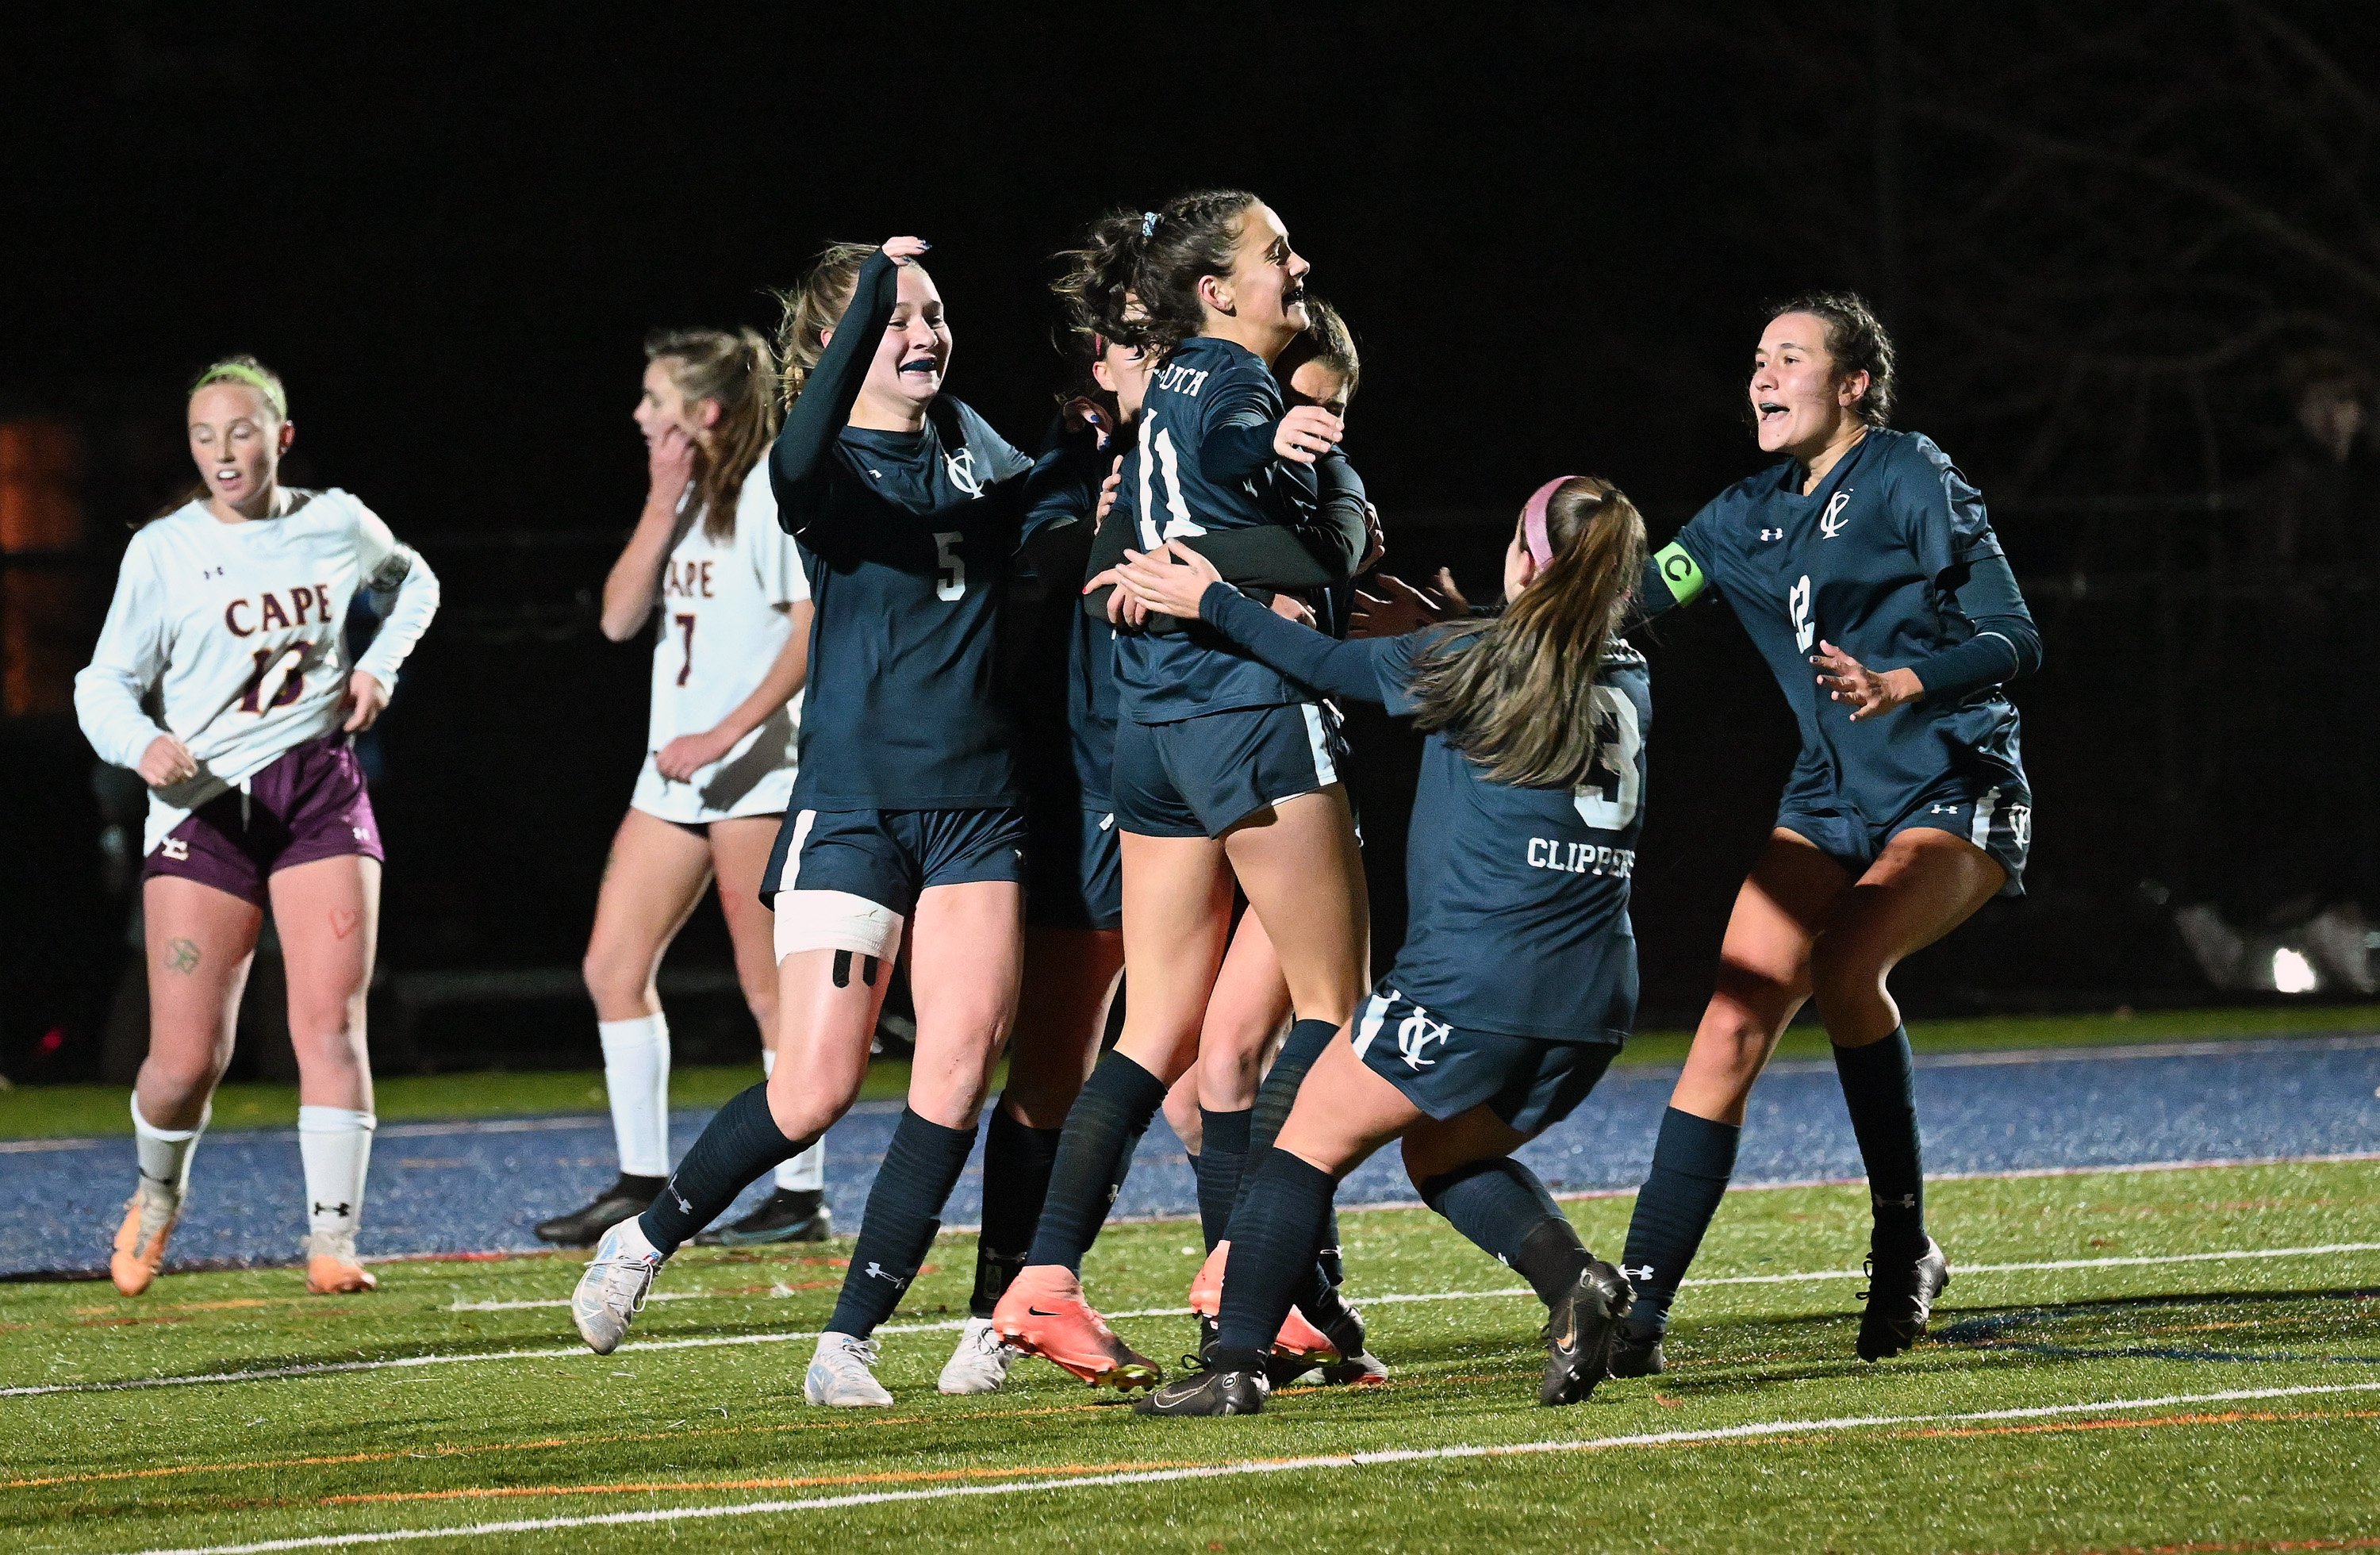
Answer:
(139, 1253)
(1043, 1314)
(332, 1267)
(1301, 1341)
(1207, 1285)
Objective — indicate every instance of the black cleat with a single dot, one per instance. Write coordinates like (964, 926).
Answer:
(1900, 1298)
(585, 1227)
(1343, 1326)
(1579, 1332)
(1207, 1392)
(786, 1215)
(1635, 1354)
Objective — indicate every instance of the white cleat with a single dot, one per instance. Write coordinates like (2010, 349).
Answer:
(980, 1362)
(841, 1375)
(612, 1290)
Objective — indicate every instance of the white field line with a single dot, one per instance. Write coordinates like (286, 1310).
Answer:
(319, 1369)
(1278, 1465)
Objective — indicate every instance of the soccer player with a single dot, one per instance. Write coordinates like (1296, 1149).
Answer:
(1223, 767)
(1066, 697)
(1864, 569)
(907, 803)
(226, 621)
(728, 663)
(1517, 981)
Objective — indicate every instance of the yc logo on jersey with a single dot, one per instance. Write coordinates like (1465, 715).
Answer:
(1831, 522)
(960, 467)
(1797, 605)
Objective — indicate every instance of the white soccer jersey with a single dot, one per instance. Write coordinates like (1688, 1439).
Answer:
(227, 637)
(725, 610)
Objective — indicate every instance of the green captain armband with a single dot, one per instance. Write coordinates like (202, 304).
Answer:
(1681, 572)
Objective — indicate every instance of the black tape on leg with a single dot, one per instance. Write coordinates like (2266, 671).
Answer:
(843, 968)
(868, 971)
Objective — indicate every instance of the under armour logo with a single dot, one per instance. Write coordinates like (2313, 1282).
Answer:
(1772, 534)
(342, 1210)
(1831, 524)
(1417, 1032)
(362, 835)
(960, 467)
(177, 847)
(1906, 1201)
(1942, 810)
(684, 1204)
(878, 1272)
(1643, 1273)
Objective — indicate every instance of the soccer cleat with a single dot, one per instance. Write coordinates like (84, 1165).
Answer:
(1900, 1299)
(841, 1376)
(786, 1215)
(980, 1362)
(1297, 1349)
(1207, 1285)
(612, 1291)
(1579, 1331)
(139, 1252)
(585, 1226)
(1635, 1354)
(332, 1267)
(1043, 1313)
(1209, 1391)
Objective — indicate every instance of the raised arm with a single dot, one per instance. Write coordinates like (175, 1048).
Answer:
(798, 459)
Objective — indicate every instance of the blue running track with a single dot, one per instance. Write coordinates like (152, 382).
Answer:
(459, 1187)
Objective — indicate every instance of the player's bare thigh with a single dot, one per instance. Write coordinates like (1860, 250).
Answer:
(963, 970)
(1246, 1015)
(199, 944)
(651, 880)
(327, 913)
(739, 860)
(1923, 885)
(1303, 873)
(1062, 1012)
(1177, 916)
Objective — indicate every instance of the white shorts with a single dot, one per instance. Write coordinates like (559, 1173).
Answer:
(728, 791)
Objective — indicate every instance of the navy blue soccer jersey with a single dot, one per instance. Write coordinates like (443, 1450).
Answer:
(1204, 464)
(907, 539)
(1517, 919)
(1868, 561)
(1065, 674)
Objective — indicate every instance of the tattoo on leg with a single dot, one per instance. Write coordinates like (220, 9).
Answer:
(182, 955)
(345, 921)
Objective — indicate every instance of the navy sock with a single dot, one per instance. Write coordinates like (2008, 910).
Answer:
(1503, 1208)
(1102, 1130)
(1016, 1161)
(1692, 1162)
(904, 1210)
(1879, 1086)
(1222, 1156)
(1306, 1040)
(740, 1142)
(1273, 1232)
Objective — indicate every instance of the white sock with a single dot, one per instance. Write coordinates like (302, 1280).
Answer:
(336, 1143)
(805, 1172)
(636, 1073)
(164, 1153)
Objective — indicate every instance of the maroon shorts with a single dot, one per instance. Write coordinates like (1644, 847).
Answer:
(310, 803)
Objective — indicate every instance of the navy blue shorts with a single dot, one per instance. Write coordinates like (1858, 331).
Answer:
(1529, 1082)
(888, 856)
(1077, 875)
(1199, 777)
(1996, 818)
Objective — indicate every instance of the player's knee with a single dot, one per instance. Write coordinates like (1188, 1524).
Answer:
(1846, 975)
(805, 1104)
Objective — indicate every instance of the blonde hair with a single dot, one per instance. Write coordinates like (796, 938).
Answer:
(1516, 694)
(737, 372)
(246, 371)
(812, 307)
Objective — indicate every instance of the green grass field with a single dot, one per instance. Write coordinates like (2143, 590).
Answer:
(2220, 1404)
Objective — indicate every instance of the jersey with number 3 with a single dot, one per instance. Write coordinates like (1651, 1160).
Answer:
(724, 607)
(229, 637)
(1866, 561)
(1206, 385)
(906, 540)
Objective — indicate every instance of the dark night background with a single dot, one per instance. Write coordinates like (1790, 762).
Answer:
(2116, 251)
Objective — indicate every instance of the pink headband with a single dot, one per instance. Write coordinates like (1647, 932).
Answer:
(1533, 520)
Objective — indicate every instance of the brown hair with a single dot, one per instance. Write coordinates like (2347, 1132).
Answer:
(1516, 694)
(1325, 339)
(1158, 257)
(812, 307)
(736, 371)
(1858, 341)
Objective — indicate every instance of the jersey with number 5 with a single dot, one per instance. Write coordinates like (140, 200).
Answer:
(229, 637)
(1204, 463)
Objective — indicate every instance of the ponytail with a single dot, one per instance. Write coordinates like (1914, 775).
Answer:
(1135, 277)
(812, 307)
(1516, 694)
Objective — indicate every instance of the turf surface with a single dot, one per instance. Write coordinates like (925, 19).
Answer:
(2212, 1404)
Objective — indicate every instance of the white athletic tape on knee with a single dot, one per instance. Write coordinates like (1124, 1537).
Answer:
(808, 920)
